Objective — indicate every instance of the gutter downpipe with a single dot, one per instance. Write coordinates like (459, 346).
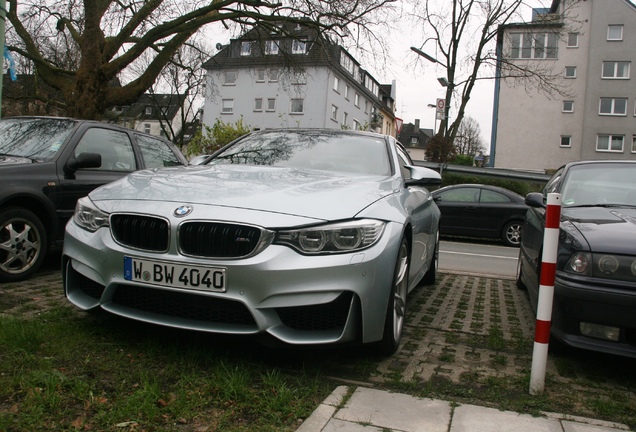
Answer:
(495, 104)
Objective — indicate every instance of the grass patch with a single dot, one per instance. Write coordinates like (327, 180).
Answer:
(61, 371)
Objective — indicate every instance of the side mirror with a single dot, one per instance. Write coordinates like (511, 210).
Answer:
(84, 160)
(421, 176)
(535, 199)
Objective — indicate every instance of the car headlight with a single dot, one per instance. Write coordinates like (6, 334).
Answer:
(579, 263)
(605, 266)
(88, 216)
(333, 238)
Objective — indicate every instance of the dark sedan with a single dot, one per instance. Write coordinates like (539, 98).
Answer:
(594, 303)
(481, 211)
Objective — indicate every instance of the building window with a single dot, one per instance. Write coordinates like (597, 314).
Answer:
(148, 110)
(533, 45)
(299, 47)
(272, 76)
(246, 48)
(260, 75)
(568, 106)
(228, 106)
(334, 112)
(615, 32)
(616, 70)
(336, 84)
(570, 71)
(347, 63)
(356, 100)
(299, 78)
(147, 128)
(356, 125)
(229, 77)
(573, 40)
(366, 107)
(297, 106)
(633, 143)
(613, 106)
(258, 104)
(566, 141)
(345, 119)
(346, 94)
(415, 140)
(271, 104)
(271, 47)
(610, 143)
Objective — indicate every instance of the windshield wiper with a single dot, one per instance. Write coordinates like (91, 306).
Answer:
(601, 205)
(18, 156)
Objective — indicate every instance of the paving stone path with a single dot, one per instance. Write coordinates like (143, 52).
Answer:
(463, 324)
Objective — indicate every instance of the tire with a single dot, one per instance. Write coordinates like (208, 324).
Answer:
(396, 308)
(23, 244)
(431, 274)
(511, 233)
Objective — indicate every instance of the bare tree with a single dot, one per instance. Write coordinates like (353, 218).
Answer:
(468, 141)
(183, 76)
(79, 48)
(464, 35)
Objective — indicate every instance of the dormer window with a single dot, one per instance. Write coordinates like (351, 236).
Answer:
(148, 110)
(246, 48)
(271, 47)
(299, 47)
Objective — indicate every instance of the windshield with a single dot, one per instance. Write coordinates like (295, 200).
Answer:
(600, 184)
(34, 138)
(329, 151)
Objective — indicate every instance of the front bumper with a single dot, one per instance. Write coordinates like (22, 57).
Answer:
(594, 301)
(295, 298)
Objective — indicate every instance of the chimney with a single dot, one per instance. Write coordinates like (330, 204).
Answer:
(417, 125)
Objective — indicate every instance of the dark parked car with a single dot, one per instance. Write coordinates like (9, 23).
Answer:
(481, 211)
(595, 288)
(46, 164)
(289, 234)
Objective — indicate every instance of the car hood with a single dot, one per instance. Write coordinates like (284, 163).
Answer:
(308, 193)
(610, 229)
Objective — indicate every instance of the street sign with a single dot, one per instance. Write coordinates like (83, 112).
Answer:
(440, 113)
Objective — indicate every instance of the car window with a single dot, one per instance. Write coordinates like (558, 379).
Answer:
(35, 138)
(404, 161)
(115, 148)
(553, 183)
(465, 195)
(156, 153)
(600, 184)
(488, 196)
(328, 151)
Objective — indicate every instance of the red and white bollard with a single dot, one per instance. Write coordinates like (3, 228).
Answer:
(546, 293)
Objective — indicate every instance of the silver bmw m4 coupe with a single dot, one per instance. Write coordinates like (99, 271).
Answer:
(309, 236)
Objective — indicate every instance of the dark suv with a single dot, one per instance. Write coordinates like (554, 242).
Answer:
(46, 164)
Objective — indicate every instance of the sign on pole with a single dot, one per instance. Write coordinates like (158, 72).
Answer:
(440, 113)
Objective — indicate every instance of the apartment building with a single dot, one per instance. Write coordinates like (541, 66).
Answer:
(591, 46)
(291, 76)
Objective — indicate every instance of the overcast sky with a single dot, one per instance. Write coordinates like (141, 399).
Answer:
(417, 84)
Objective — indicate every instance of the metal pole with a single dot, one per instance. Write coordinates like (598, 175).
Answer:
(546, 294)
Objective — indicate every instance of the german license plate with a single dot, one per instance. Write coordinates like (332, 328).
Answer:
(174, 275)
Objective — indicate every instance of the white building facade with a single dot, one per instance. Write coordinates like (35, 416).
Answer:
(291, 79)
(591, 46)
